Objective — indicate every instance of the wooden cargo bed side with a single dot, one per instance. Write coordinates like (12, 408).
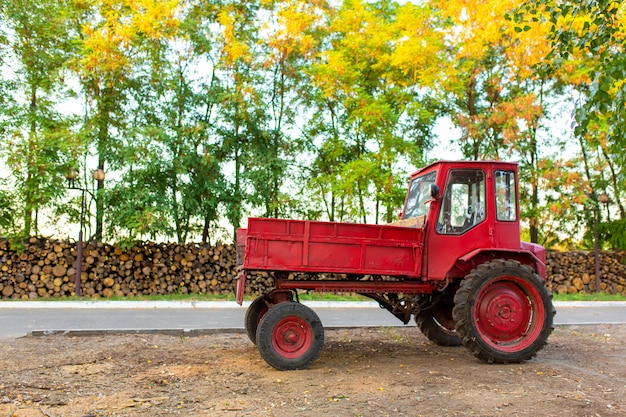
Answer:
(311, 246)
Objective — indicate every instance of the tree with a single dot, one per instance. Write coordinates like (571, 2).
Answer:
(115, 35)
(173, 181)
(288, 42)
(237, 119)
(39, 142)
(588, 41)
(368, 96)
(498, 100)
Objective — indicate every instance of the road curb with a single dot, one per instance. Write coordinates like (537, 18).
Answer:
(558, 304)
(230, 304)
(117, 332)
(166, 304)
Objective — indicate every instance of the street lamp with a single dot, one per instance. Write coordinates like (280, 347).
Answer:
(596, 261)
(602, 198)
(605, 199)
(97, 175)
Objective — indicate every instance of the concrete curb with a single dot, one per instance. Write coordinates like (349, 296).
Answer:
(231, 304)
(43, 306)
(558, 304)
(115, 332)
(104, 305)
(166, 304)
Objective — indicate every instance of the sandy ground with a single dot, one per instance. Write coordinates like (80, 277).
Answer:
(361, 372)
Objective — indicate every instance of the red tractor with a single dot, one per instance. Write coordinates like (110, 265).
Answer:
(454, 261)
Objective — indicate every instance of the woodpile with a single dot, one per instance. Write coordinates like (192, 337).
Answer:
(44, 268)
(257, 282)
(574, 272)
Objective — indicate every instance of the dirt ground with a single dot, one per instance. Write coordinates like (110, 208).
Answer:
(361, 372)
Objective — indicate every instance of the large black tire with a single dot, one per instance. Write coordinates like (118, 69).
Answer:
(503, 312)
(290, 336)
(437, 324)
(254, 313)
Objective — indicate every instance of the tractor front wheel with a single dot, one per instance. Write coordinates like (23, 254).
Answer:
(290, 336)
(503, 312)
(254, 314)
(437, 324)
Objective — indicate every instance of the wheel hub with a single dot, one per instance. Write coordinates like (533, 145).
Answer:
(504, 312)
(291, 336)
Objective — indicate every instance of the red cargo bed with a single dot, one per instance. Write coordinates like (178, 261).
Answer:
(312, 246)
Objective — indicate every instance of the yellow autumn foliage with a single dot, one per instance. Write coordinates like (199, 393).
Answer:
(118, 26)
(294, 19)
(418, 47)
(478, 25)
(234, 48)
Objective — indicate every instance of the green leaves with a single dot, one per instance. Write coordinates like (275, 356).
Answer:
(366, 103)
(591, 36)
(37, 143)
(203, 113)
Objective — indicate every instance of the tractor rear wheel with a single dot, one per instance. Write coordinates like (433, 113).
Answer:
(254, 313)
(503, 312)
(290, 336)
(437, 324)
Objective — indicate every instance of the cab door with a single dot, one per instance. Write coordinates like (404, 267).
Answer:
(506, 224)
(461, 223)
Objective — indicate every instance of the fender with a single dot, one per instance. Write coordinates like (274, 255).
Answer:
(529, 254)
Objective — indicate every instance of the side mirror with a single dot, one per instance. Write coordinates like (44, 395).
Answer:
(434, 191)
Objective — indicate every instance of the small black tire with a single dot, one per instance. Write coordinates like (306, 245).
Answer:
(254, 313)
(290, 336)
(503, 312)
(437, 324)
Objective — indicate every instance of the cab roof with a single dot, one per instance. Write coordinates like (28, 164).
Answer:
(465, 164)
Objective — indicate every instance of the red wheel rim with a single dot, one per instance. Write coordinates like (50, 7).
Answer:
(509, 313)
(291, 337)
(443, 318)
(261, 314)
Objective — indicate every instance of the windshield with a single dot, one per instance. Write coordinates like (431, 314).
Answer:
(419, 193)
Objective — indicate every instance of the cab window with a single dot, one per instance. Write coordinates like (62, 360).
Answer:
(419, 194)
(463, 203)
(506, 196)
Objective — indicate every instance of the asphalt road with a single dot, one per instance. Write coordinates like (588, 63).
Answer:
(18, 319)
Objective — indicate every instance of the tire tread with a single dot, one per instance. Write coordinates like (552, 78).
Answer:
(465, 298)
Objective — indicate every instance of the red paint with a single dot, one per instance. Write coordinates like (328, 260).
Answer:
(311, 246)
(361, 249)
(291, 337)
(507, 314)
(459, 218)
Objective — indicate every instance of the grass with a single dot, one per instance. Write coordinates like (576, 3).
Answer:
(168, 297)
(305, 296)
(598, 296)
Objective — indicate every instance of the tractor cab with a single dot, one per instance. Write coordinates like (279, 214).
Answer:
(468, 206)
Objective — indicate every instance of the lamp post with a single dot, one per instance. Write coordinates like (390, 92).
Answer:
(605, 199)
(596, 261)
(97, 175)
(602, 198)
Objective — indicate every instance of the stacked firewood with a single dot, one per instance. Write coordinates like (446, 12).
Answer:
(45, 268)
(574, 272)
(41, 269)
